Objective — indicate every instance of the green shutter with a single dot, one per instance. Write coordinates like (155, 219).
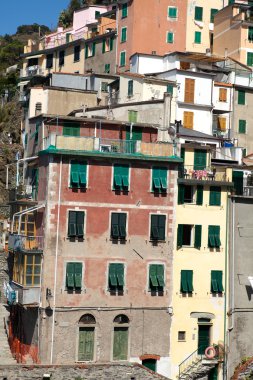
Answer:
(170, 37)
(72, 224)
(242, 126)
(217, 236)
(180, 200)
(200, 159)
(219, 280)
(120, 343)
(74, 174)
(70, 270)
(111, 43)
(237, 179)
(161, 227)
(159, 179)
(82, 169)
(130, 88)
(78, 275)
(190, 281)
(79, 223)
(214, 282)
(86, 344)
(212, 14)
(36, 135)
(136, 134)
(197, 39)
(103, 46)
(160, 275)
(170, 89)
(112, 276)
(199, 198)
(107, 68)
(241, 97)
(123, 35)
(153, 281)
(115, 225)
(86, 51)
(184, 285)
(122, 225)
(198, 13)
(172, 12)
(124, 10)
(180, 231)
(211, 237)
(198, 235)
(250, 59)
(120, 274)
(121, 177)
(215, 196)
(71, 129)
(250, 33)
(154, 228)
(123, 58)
(132, 118)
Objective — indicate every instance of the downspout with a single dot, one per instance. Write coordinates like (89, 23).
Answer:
(56, 261)
(226, 290)
(117, 32)
(233, 266)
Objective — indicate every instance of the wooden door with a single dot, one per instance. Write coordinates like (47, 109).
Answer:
(86, 344)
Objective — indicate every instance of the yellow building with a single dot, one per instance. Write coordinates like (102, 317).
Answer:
(233, 32)
(199, 263)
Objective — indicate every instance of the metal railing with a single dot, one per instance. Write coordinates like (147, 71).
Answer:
(204, 174)
(112, 146)
(28, 243)
(31, 71)
(190, 361)
(28, 192)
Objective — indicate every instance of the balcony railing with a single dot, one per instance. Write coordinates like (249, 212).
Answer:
(25, 243)
(109, 146)
(228, 153)
(31, 71)
(24, 192)
(206, 174)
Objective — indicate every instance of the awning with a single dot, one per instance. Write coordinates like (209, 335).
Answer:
(23, 83)
(35, 56)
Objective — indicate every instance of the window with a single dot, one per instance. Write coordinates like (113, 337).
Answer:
(181, 336)
(71, 129)
(244, 152)
(121, 177)
(170, 37)
(200, 158)
(27, 268)
(190, 194)
(61, 57)
(186, 281)
(216, 281)
(107, 68)
(222, 124)
(86, 338)
(189, 90)
(90, 50)
(77, 53)
(250, 59)
(188, 119)
(116, 277)
(122, 58)
(120, 337)
(169, 89)
(118, 225)
(159, 179)
(157, 230)
(104, 86)
(49, 62)
(74, 276)
(214, 237)
(123, 34)
(198, 14)
(36, 133)
(242, 126)
(241, 97)
(78, 174)
(97, 14)
(124, 10)
(197, 38)
(132, 116)
(212, 14)
(38, 108)
(250, 33)
(130, 90)
(222, 94)
(76, 224)
(189, 235)
(172, 12)
(156, 278)
(215, 196)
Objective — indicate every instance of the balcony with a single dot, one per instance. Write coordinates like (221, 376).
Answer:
(24, 192)
(26, 243)
(228, 154)
(31, 71)
(111, 147)
(190, 175)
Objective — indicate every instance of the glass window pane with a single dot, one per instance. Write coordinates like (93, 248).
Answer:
(29, 259)
(36, 280)
(28, 280)
(37, 269)
(37, 259)
(29, 269)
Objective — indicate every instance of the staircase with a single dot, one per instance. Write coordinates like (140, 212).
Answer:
(196, 366)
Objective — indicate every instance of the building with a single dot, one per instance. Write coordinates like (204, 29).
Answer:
(104, 210)
(178, 25)
(233, 31)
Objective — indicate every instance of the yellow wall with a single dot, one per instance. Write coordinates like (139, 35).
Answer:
(201, 261)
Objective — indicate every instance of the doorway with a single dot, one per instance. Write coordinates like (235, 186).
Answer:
(203, 338)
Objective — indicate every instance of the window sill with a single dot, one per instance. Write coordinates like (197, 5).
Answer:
(78, 60)
(181, 340)
(157, 241)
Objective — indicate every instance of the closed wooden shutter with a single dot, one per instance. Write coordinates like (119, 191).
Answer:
(78, 275)
(120, 343)
(215, 196)
(237, 179)
(180, 231)
(188, 119)
(222, 94)
(180, 197)
(199, 198)
(200, 157)
(189, 90)
(198, 234)
(86, 344)
(72, 224)
(222, 121)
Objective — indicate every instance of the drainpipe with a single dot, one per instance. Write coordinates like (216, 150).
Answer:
(226, 290)
(56, 262)
(117, 38)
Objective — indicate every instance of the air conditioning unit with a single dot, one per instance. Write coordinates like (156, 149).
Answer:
(105, 148)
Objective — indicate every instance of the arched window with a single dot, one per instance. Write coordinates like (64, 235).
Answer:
(86, 337)
(120, 337)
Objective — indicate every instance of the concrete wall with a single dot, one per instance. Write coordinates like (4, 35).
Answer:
(240, 290)
(97, 63)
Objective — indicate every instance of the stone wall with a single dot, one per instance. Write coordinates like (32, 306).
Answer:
(87, 372)
(3, 272)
